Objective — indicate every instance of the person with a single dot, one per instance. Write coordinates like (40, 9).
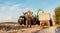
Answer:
(33, 20)
(28, 18)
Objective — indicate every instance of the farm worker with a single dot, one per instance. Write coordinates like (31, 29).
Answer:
(28, 18)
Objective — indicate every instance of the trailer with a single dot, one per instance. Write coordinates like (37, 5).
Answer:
(45, 19)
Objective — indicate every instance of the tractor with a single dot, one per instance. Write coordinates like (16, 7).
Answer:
(33, 19)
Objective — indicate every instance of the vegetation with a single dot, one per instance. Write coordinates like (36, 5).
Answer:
(57, 15)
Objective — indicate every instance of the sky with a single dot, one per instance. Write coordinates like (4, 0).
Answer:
(10, 10)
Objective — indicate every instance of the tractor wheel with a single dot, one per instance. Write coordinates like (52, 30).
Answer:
(19, 21)
(24, 23)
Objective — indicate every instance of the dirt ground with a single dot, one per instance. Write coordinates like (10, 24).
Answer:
(16, 28)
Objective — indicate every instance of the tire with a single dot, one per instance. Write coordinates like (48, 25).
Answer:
(19, 22)
(24, 23)
(51, 23)
(38, 22)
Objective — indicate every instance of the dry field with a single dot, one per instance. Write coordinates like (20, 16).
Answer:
(16, 28)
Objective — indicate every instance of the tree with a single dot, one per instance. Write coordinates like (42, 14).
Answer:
(57, 15)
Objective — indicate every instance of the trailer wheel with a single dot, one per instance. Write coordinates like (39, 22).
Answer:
(51, 24)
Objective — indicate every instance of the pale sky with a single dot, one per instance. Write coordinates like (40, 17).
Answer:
(10, 10)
